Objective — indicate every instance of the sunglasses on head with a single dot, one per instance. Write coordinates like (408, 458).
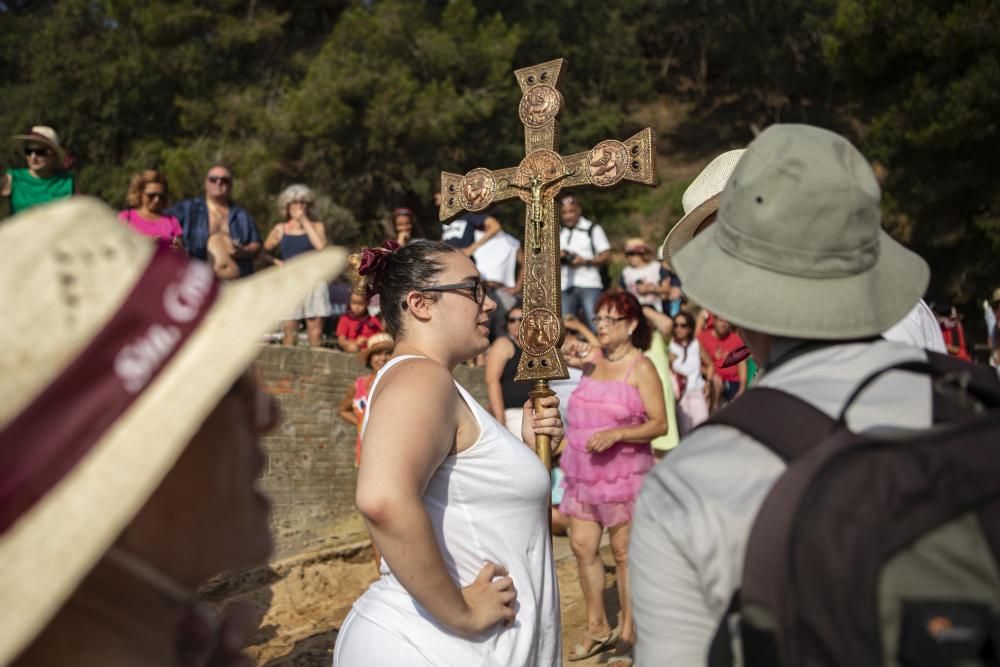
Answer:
(35, 150)
(225, 180)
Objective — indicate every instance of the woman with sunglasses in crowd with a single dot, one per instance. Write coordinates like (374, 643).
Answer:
(147, 199)
(506, 396)
(46, 176)
(687, 361)
(456, 503)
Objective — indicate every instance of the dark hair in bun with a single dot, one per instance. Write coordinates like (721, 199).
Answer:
(401, 271)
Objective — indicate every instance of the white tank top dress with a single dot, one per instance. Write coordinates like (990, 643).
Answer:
(486, 503)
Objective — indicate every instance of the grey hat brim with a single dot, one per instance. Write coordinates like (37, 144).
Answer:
(754, 297)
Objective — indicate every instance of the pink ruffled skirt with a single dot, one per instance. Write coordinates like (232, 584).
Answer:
(602, 487)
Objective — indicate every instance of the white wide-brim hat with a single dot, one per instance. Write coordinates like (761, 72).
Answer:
(126, 334)
(797, 249)
(700, 200)
(41, 134)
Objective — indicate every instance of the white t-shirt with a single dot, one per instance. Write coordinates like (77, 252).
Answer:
(652, 273)
(577, 241)
(497, 259)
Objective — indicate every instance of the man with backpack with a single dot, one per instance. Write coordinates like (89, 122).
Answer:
(798, 262)
(586, 254)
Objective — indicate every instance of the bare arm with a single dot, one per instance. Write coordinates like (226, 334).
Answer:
(699, 322)
(707, 365)
(491, 227)
(662, 322)
(273, 238)
(403, 446)
(601, 259)
(5, 182)
(347, 407)
(647, 381)
(520, 271)
(248, 251)
(573, 324)
(316, 231)
(500, 353)
(577, 353)
(348, 345)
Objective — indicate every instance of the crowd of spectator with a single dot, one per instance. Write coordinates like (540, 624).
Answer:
(650, 359)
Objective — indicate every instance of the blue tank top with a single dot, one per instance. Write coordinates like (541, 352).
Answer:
(292, 245)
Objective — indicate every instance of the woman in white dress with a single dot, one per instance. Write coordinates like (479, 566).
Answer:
(456, 503)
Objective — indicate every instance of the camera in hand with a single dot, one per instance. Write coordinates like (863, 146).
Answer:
(567, 258)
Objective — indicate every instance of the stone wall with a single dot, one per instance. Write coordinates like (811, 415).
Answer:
(310, 474)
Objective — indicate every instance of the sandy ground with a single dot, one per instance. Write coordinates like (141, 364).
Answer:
(303, 602)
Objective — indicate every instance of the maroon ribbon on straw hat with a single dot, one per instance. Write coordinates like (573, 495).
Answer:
(373, 261)
(736, 356)
(74, 412)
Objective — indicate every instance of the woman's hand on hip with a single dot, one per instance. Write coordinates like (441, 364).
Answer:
(602, 440)
(547, 421)
(489, 600)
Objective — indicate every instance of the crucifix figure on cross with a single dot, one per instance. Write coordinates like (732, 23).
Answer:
(537, 180)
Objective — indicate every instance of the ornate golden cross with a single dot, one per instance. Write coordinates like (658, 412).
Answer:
(542, 174)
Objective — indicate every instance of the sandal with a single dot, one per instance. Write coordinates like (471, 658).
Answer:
(623, 659)
(597, 645)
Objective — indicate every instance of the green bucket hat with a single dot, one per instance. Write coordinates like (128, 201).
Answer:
(798, 249)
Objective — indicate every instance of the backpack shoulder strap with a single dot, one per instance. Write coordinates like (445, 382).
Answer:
(590, 235)
(783, 423)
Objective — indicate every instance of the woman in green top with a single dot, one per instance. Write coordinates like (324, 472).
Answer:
(45, 178)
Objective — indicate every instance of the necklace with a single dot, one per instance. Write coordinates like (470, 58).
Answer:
(620, 356)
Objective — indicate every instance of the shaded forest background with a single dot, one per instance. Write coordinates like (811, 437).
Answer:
(366, 101)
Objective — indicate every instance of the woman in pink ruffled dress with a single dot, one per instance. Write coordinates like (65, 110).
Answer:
(613, 415)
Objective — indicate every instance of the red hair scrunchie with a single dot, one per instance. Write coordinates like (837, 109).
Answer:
(373, 261)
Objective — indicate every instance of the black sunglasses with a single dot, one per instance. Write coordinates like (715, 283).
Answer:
(514, 319)
(220, 179)
(31, 150)
(476, 286)
(634, 253)
(155, 195)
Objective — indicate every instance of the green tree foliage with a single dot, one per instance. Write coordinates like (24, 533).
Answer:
(367, 100)
(923, 78)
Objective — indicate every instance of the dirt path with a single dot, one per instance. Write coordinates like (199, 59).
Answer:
(299, 601)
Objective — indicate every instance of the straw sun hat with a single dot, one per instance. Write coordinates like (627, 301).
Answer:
(797, 249)
(41, 134)
(377, 343)
(113, 351)
(700, 200)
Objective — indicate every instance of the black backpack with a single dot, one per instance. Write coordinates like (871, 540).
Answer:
(873, 550)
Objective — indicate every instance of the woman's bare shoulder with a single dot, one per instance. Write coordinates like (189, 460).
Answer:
(417, 377)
